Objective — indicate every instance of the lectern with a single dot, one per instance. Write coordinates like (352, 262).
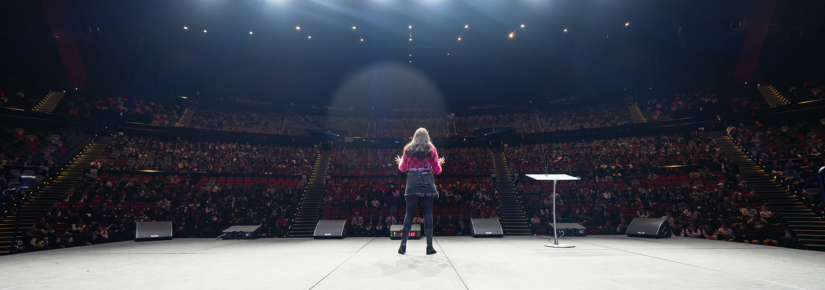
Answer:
(555, 178)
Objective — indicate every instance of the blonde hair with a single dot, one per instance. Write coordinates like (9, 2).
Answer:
(420, 146)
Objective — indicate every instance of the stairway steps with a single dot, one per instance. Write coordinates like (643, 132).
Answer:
(802, 221)
(309, 211)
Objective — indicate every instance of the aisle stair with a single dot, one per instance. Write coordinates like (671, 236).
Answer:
(536, 122)
(451, 131)
(52, 193)
(48, 103)
(809, 228)
(309, 212)
(286, 125)
(636, 114)
(772, 96)
(510, 212)
(186, 117)
(371, 129)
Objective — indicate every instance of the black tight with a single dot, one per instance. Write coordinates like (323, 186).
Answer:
(412, 202)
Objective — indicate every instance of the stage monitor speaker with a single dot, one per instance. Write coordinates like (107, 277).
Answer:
(482, 228)
(396, 231)
(330, 229)
(649, 228)
(242, 232)
(146, 231)
(570, 230)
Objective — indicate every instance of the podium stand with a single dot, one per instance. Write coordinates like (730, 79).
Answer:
(555, 178)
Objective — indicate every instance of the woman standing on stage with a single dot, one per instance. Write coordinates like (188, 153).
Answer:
(421, 162)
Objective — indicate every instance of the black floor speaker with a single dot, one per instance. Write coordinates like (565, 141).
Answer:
(396, 231)
(330, 229)
(147, 231)
(570, 230)
(483, 228)
(649, 228)
(242, 232)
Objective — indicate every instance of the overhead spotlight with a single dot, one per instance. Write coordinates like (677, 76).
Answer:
(353, 28)
(185, 28)
(204, 31)
(297, 28)
(522, 26)
(410, 39)
(627, 24)
(512, 34)
(565, 30)
(466, 26)
(362, 39)
(410, 27)
(250, 32)
(459, 38)
(309, 36)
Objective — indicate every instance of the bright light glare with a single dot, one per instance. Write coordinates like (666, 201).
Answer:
(204, 31)
(250, 32)
(512, 34)
(627, 24)
(410, 39)
(565, 30)
(310, 37)
(459, 39)
(297, 28)
(522, 26)
(410, 26)
(466, 26)
(185, 28)
(353, 28)
(362, 39)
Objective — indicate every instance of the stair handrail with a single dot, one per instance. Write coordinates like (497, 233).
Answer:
(822, 181)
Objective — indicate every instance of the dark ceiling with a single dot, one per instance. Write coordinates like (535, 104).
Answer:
(142, 45)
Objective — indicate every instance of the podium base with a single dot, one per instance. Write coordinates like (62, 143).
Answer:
(560, 246)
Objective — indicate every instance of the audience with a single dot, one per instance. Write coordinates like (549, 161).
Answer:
(371, 205)
(356, 127)
(237, 121)
(136, 153)
(405, 127)
(465, 126)
(585, 117)
(105, 209)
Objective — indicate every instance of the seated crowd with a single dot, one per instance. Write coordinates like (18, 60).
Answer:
(360, 161)
(237, 121)
(792, 154)
(703, 199)
(372, 205)
(356, 127)
(584, 117)
(803, 91)
(21, 99)
(105, 208)
(630, 153)
(133, 109)
(137, 153)
(465, 126)
(405, 127)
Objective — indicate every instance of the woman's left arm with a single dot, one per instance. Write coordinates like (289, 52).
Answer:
(435, 164)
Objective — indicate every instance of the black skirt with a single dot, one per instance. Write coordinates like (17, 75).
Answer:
(421, 183)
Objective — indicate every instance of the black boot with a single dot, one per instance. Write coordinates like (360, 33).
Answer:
(430, 249)
(403, 248)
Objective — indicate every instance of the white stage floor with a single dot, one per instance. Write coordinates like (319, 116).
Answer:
(597, 262)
